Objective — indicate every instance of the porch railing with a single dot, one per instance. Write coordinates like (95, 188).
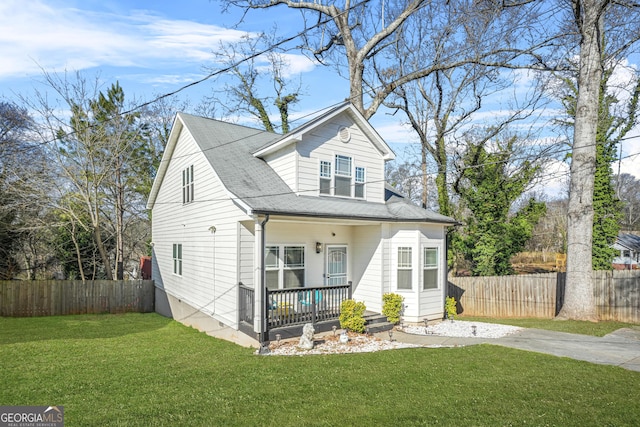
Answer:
(297, 306)
(246, 304)
(293, 306)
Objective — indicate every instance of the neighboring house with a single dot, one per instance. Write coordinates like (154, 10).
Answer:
(243, 219)
(629, 247)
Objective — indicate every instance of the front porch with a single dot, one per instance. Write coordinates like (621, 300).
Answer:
(288, 310)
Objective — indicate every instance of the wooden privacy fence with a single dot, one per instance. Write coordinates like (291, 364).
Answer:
(61, 297)
(617, 295)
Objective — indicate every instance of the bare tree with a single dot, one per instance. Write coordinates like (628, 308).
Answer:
(245, 92)
(352, 37)
(628, 191)
(97, 152)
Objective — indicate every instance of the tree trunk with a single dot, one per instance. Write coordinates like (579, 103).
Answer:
(97, 235)
(423, 165)
(441, 178)
(78, 252)
(579, 303)
(119, 223)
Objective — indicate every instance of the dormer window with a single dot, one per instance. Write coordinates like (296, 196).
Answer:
(345, 181)
(325, 177)
(359, 187)
(342, 185)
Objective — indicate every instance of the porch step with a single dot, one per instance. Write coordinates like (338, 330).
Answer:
(375, 323)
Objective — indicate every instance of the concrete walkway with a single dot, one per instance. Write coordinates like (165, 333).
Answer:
(620, 348)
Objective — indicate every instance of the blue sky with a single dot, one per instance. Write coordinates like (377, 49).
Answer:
(155, 47)
(150, 47)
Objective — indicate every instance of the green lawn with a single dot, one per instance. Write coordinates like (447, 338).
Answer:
(145, 370)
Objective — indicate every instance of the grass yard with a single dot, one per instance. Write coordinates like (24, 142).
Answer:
(146, 370)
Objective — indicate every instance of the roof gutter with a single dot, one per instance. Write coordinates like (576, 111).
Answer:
(353, 217)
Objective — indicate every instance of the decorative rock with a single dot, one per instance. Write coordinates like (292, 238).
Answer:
(306, 340)
(344, 338)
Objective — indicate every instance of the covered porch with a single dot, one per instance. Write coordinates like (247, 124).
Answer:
(288, 310)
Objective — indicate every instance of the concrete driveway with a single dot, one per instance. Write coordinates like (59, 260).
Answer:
(620, 348)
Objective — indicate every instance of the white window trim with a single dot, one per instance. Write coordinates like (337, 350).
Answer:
(177, 255)
(354, 179)
(399, 267)
(188, 194)
(328, 178)
(360, 181)
(436, 267)
(281, 261)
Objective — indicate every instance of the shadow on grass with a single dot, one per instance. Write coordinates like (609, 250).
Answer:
(77, 327)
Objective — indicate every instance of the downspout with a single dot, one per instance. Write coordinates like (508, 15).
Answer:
(263, 284)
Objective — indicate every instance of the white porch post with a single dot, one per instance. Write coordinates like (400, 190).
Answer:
(259, 274)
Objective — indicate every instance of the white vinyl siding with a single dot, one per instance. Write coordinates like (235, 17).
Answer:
(404, 268)
(323, 144)
(430, 268)
(285, 164)
(366, 266)
(204, 252)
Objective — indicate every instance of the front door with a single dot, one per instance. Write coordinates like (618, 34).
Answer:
(336, 265)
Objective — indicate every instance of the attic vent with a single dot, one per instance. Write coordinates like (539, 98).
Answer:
(344, 134)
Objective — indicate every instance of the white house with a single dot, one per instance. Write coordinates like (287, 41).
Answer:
(253, 231)
(628, 246)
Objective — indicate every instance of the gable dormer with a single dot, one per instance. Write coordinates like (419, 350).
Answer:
(337, 154)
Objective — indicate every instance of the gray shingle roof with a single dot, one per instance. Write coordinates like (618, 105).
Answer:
(630, 241)
(228, 148)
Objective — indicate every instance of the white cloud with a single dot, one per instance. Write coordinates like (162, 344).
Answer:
(36, 34)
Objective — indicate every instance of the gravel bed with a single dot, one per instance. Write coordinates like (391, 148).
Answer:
(359, 343)
(330, 344)
(463, 329)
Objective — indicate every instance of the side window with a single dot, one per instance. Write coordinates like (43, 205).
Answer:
(430, 268)
(187, 185)
(325, 177)
(177, 259)
(404, 268)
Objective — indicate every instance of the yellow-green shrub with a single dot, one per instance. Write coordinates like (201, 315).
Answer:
(392, 307)
(352, 315)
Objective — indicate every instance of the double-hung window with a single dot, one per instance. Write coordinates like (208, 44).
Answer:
(341, 178)
(342, 186)
(177, 259)
(285, 266)
(325, 177)
(293, 276)
(187, 185)
(359, 186)
(430, 268)
(272, 267)
(404, 268)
